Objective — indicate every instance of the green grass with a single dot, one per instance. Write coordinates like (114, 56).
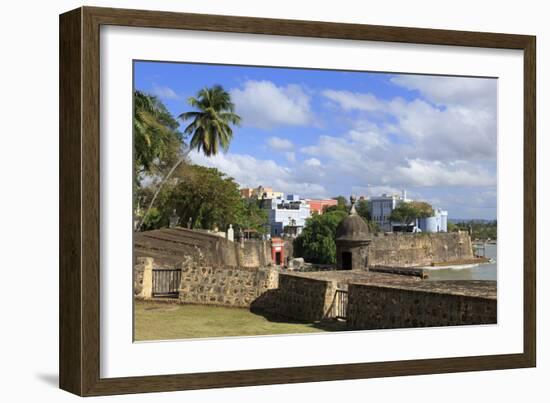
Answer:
(162, 321)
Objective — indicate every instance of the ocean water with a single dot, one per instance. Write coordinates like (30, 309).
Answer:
(486, 271)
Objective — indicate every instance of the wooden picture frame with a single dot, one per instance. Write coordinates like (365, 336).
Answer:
(79, 346)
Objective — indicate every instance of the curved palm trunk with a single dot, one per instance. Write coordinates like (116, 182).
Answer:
(161, 184)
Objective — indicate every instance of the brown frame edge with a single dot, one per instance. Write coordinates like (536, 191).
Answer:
(79, 201)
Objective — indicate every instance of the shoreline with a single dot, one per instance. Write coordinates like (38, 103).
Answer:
(462, 262)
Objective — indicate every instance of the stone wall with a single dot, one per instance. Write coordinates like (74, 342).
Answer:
(382, 307)
(422, 249)
(289, 250)
(300, 298)
(143, 277)
(254, 254)
(224, 286)
(170, 246)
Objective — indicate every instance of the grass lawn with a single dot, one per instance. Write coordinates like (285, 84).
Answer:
(162, 321)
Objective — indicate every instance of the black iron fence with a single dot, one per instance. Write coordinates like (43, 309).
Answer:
(166, 282)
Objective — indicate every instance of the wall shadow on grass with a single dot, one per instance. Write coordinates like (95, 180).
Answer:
(265, 306)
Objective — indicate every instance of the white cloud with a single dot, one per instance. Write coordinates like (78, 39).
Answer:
(370, 139)
(252, 172)
(290, 156)
(462, 124)
(336, 148)
(441, 146)
(369, 161)
(375, 190)
(353, 100)
(280, 144)
(443, 90)
(436, 173)
(312, 162)
(164, 92)
(265, 105)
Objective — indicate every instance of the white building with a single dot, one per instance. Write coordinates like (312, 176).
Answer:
(381, 208)
(435, 223)
(288, 213)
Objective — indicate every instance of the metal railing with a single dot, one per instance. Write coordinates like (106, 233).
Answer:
(166, 282)
(340, 307)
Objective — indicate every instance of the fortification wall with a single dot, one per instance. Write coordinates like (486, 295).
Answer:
(302, 298)
(254, 254)
(143, 277)
(378, 307)
(225, 286)
(171, 246)
(299, 298)
(420, 249)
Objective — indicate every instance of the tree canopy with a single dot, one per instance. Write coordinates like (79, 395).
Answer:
(159, 155)
(407, 212)
(157, 140)
(479, 229)
(211, 124)
(251, 216)
(206, 198)
(316, 242)
(363, 209)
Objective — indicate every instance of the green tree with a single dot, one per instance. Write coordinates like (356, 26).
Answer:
(210, 129)
(157, 145)
(452, 227)
(373, 227)
(159, 215)
(316, 242)
(340, 206)
(252, 216)
(206, 198)
(363, 209)
(480, 229)
(408, 212)
(342, 203)
(424, 209)
(157, 141)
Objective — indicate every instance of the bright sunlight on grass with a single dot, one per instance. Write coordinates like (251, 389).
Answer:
(162, 321)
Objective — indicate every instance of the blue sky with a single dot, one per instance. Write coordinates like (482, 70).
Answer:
(321, 133)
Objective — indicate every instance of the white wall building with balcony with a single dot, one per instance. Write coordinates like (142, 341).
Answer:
(288, 213)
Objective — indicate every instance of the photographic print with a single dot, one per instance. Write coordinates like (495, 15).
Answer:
(272, 200)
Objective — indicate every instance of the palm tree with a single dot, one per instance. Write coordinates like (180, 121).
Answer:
(210, 128)
(156, 135)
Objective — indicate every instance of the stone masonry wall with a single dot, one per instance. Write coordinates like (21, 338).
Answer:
(254, 254)
(300, 298)
(170, 247)
(376, 307)
(224, 286)
(143, 277)
(423, 249)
